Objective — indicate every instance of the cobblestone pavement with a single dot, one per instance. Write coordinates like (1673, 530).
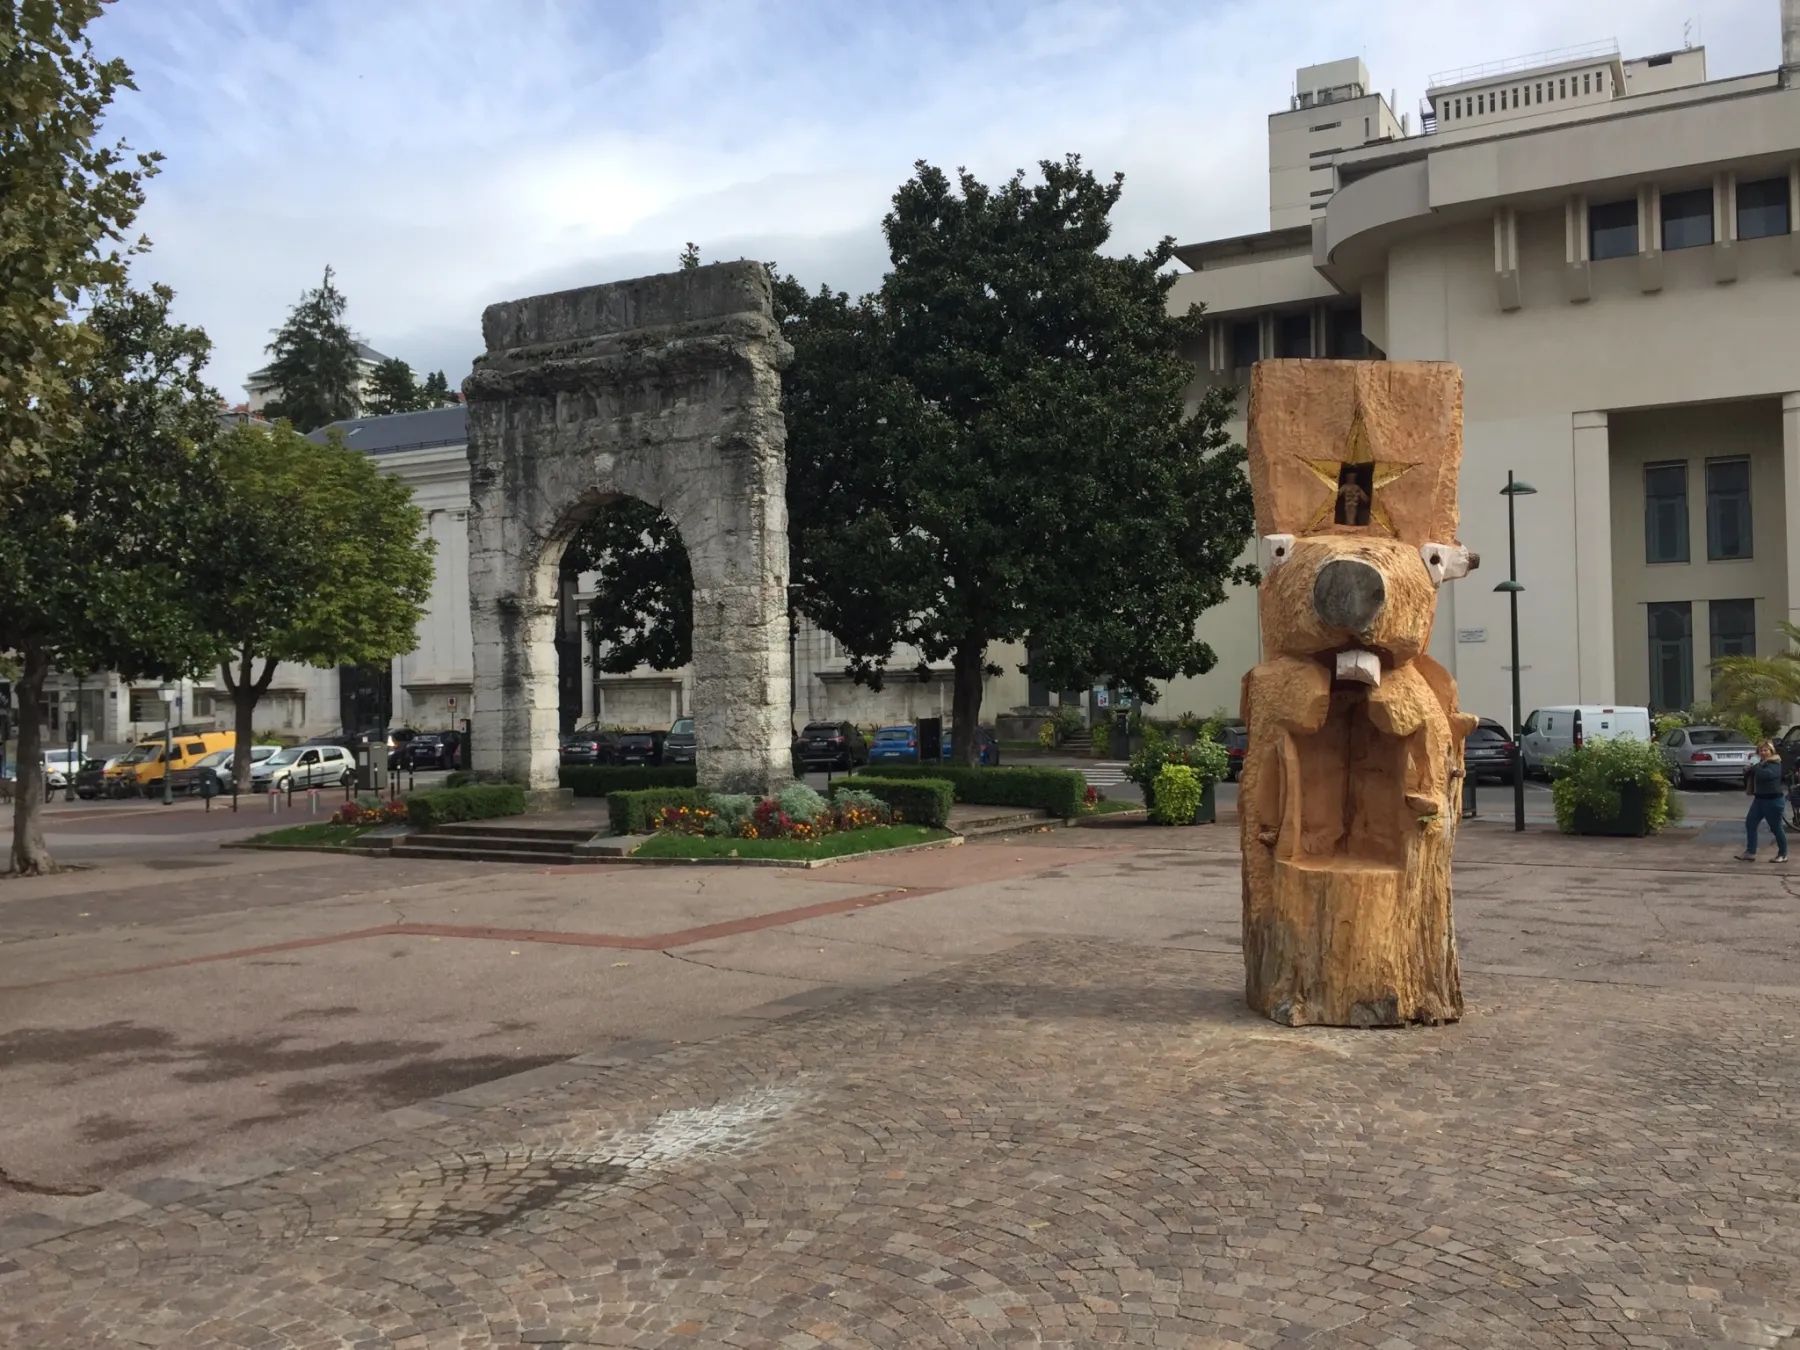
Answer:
(1068, 1143)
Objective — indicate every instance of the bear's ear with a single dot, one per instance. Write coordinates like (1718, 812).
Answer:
(1274, 550)
(1448, 562)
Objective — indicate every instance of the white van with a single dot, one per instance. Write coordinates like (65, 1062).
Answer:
(1550, 731)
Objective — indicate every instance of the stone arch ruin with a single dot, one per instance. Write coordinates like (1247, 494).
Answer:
(668, 389)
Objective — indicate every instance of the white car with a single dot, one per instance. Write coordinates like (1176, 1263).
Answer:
(59, 767)
(1548, 732)
(304, 766)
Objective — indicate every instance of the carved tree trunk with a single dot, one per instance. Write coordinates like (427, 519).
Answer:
(1352, 781)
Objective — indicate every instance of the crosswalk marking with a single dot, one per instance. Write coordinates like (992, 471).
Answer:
(1104, 774)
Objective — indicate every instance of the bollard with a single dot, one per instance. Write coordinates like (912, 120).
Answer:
(312, 801)
(274, 801)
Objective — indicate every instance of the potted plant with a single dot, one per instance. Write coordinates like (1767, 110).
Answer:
(1206, 758)
(1615, 787)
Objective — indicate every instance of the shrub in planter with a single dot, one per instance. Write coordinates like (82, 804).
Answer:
(1206, 757)
(1177, 795)
(636, 812)
(602, 780)
(915, 800)
(1611, 787)
(478, 801)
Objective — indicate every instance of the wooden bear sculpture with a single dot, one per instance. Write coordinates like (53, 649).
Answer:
(1352, 782)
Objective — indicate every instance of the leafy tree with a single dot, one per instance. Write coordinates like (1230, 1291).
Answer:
(393, 389)
(996, 446)
(315, 363)
(436, 392)
(643, 605)
(63, 202)
(102, 543)
(690, 256)
(319, 559)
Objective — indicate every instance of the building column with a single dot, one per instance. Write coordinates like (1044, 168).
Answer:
(1790, 483)
(1593, 558)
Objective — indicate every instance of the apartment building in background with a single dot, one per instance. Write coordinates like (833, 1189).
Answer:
(1607, 247)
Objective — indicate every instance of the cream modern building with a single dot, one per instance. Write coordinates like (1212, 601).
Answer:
(1607, 248)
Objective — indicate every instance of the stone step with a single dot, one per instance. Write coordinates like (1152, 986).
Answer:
(1010, 823)
(434, 842)
(472, 850)
(482, 829)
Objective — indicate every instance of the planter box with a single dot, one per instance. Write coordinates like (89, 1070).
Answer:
(1207, 813)
(1630, 823)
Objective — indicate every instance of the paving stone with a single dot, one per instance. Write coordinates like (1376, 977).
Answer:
(1071, 1143)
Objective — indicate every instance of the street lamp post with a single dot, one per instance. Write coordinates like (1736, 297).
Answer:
(1512, 492)
(168, 788)
(793, 599)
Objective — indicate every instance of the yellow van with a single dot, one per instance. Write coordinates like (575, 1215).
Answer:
(140, 770)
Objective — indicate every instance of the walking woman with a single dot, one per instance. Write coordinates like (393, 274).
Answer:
(1764, 784)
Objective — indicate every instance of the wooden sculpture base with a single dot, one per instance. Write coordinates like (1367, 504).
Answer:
(1348, 824)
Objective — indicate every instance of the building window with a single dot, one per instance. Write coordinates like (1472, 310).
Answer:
(1762, 208)
(1671, 654)
(1562, 88)
(1246, 343)
(1687, 219)
(1612, 230)
(1733, 625)
(203, 703)
(1540, 93)
(1344, 336)
(1665, 513)
(1293, 335)
(1584, 83)
(1727, 508)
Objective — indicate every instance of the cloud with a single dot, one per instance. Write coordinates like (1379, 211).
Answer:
(444, 154)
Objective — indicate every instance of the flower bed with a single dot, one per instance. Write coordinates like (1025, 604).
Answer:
(796, 813)
(370, 811)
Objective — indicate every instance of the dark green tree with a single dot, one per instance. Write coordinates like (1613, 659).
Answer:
(315, 363)
(320, 558)
(65, 204)
(643, 605)
(996, 446)
(393, 388)
(103, 543)
(690, 256)
(436, 392)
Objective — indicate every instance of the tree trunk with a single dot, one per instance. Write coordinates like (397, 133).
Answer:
(965, 708)
(30, 855)
(245, 693)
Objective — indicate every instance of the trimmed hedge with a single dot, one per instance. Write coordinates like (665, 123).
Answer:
(1058, 791)
(478, 801)
(602, 780)
(918, 799)
(635, 812)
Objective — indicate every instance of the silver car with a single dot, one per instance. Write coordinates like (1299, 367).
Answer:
(302, 767)
(1707, 755)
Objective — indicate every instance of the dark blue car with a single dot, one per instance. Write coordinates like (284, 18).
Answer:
(987, 746)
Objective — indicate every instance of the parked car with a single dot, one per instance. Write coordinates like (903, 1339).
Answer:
(589, 745)
(141, 769)
(1490, 751)
(433, 750)
(831, 745)
(215, 769)
(1708, 755)
(304, 766)
(987, 746)
(1548, 732)
(90, 779)
(894, 745)
(679, 743)
(1787, 745)
(640, 747)
(1236, 741)
(58, 765)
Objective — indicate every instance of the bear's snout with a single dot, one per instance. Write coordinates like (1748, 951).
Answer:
(1349, 593)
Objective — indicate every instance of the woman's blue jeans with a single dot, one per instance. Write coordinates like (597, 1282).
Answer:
(1769, 809)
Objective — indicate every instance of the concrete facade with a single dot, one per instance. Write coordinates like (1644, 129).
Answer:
(666, 389)
(1619, 281)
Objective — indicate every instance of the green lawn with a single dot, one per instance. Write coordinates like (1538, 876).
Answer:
(831, 846)
(322, 835)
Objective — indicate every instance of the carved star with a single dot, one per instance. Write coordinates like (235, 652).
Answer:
(1358, 452)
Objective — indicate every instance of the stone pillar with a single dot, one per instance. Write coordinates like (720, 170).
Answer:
(1593, 558)
(1790, 483)
(667, 389)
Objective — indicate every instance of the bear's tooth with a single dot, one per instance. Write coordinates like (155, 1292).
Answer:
(1363, 667)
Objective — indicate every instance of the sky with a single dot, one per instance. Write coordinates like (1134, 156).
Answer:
(442, 155)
